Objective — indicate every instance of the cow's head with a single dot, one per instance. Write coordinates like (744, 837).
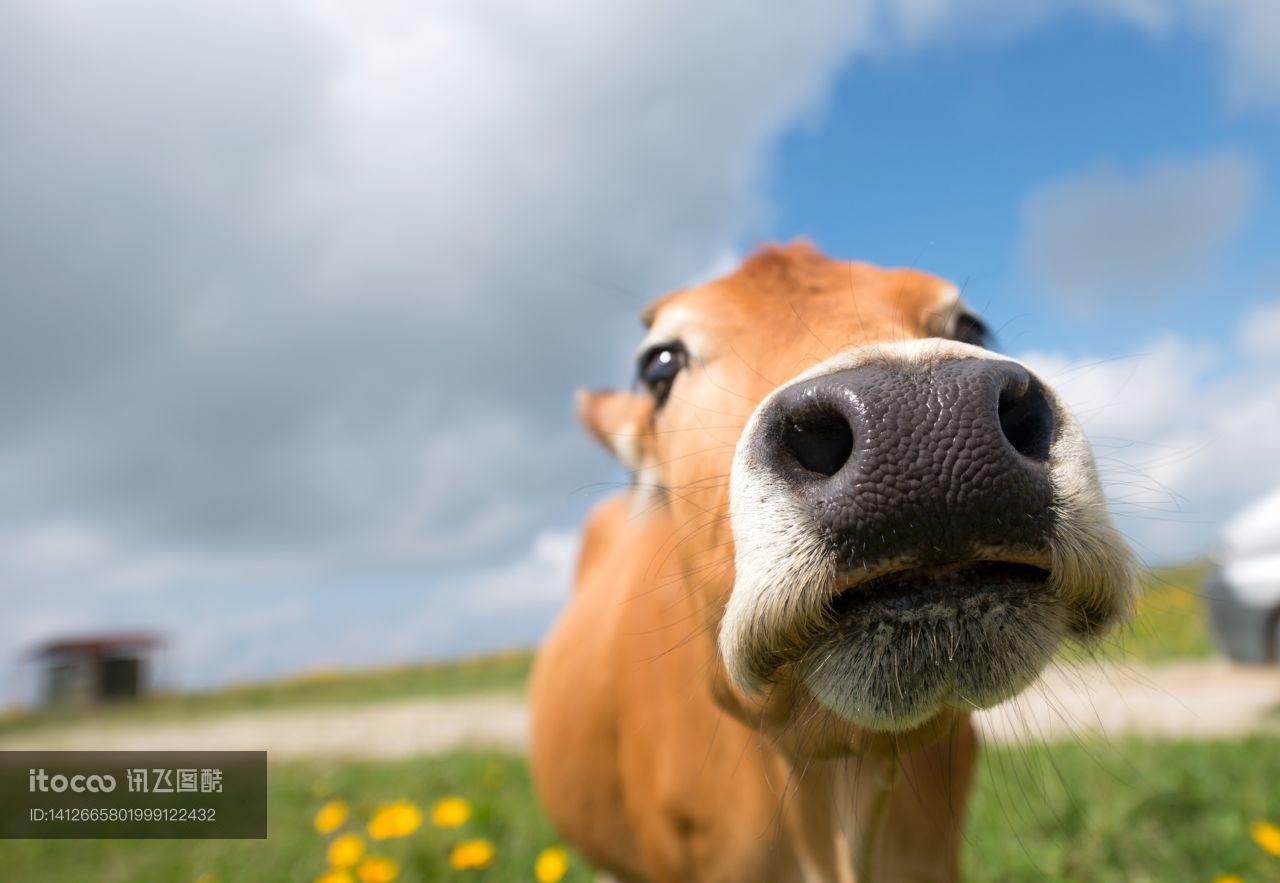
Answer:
(883, 520)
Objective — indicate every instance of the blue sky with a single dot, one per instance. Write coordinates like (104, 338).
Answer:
(927, 159)
(296, 297)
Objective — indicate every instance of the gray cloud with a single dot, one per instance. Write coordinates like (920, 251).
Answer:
(301, 291)
(1105, 234)
(295, 294)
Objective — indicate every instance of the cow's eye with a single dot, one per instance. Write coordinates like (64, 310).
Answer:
(970, 329)
(658, 367)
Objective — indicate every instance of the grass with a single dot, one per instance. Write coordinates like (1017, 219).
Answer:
(1129, 811)
(1133, 811)
(502, 672)
(1170, 621)
(497, 786)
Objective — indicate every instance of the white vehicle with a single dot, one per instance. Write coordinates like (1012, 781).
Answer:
(1244, 584)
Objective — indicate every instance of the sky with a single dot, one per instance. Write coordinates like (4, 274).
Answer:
(294, 295)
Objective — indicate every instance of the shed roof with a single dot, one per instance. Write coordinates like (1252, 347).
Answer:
(97, 644)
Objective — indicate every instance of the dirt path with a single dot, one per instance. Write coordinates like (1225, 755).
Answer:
(375, 731)
(1200, 699)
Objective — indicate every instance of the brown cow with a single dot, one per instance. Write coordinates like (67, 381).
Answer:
(850, 524)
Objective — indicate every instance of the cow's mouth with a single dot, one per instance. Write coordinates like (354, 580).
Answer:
(907, 592)
(900, 647)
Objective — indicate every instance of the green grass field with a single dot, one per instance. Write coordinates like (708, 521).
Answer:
(1090, 812)
(1133, 812)
(497, 786)
(1080, 811)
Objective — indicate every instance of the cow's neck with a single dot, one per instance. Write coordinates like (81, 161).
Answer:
(836, 816)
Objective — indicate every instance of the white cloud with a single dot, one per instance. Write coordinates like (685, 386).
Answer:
(541, 580)
(1103, 235)
(1138, 397)
(1260, 332)
(1181, 443)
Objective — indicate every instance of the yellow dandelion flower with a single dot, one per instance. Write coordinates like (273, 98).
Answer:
(377, 870)
(1228, 878)
(1267, 836)
(207, 877)
(471, 855)
(331, 816)
(345, 851)
(552, 864)
(450, 812)
(399, 819)
(336, 876)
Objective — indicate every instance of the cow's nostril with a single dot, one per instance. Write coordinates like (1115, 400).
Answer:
(1026, 417)
(821, 442)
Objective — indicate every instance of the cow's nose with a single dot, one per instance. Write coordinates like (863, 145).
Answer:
(929, 463)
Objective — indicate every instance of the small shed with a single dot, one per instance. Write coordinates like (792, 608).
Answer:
(89, 669)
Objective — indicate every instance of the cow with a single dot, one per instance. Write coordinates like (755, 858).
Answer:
(850, 523)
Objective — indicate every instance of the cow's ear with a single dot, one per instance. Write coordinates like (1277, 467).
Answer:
(621, 421)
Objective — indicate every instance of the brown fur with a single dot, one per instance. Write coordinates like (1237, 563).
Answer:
(645, 756)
